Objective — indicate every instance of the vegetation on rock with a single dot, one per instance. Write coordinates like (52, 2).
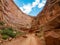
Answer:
(9, 32)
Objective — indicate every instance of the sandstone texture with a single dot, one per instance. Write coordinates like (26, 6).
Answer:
(48, 19)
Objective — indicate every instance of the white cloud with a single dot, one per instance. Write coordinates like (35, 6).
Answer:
(28, 8)
(40, 5)
(35, 3)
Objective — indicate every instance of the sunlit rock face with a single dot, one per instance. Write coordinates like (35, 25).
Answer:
(31, 7)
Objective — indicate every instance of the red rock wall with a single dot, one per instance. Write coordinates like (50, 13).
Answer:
(52, 41)
(14, 16)
(50, 11)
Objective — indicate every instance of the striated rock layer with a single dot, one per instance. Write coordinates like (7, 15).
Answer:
(49, 19)
(13, 16)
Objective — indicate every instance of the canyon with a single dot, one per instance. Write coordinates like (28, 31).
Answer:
(48, 20)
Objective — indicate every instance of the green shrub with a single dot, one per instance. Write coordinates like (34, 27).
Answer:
(9, 28)
(5, 37)
(9, 32)
(6, 31)
(12, 35)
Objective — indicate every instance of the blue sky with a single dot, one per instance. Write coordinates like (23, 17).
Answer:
(30, 7)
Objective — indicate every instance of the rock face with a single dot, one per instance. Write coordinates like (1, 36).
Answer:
(50, 11)
(48, 19)
(14, 16)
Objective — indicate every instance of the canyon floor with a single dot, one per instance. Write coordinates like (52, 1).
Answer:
(30, 40)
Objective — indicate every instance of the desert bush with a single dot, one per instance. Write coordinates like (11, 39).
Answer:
(8, 32)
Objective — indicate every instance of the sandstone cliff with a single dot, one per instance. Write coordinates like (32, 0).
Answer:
(13, 16)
